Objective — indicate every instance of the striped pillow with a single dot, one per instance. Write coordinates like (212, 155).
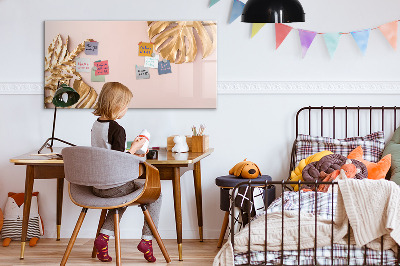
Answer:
(372, 145)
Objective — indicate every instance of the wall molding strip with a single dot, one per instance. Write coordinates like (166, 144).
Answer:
(309, 87)
(260, 87)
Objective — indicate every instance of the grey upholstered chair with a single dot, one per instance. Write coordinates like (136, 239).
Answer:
(85, 167)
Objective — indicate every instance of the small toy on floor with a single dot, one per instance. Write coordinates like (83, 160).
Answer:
(13, 215)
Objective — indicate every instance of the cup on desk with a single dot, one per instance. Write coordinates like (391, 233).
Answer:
(152, 155)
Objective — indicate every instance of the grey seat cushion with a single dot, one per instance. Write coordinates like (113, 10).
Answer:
(83, 196)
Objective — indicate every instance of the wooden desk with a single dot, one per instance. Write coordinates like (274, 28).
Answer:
(171, 167)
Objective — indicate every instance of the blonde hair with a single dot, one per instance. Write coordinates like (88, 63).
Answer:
(113, 97)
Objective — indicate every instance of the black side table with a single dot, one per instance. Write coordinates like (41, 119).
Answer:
(228, 182)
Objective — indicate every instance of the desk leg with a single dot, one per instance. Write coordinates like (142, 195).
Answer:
(27, 206)
(197, 189)
(176, 182)
(60, 190)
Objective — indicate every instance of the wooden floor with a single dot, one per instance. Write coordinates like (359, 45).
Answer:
(50, 252)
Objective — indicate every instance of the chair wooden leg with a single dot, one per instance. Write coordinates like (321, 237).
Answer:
(223, 229)
(117, 239)
(154, 230)
(73, 237)
(101, 222)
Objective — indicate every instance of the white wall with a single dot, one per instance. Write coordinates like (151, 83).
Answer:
(259, 127)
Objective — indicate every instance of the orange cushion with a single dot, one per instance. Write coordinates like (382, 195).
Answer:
(375, 170)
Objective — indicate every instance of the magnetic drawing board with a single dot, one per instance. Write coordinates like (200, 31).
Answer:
(116, 45)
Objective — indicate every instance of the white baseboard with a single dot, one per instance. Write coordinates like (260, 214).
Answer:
(260, 87)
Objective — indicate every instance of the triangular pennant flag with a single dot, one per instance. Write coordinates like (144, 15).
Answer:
(237, 9)
(281, 31)
(306, 39)
(332, 41)
(389, 30)
(255, 28)
(213, 2)
(361, 37)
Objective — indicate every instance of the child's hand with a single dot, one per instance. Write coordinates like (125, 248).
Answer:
(137, 144)
(142, 155)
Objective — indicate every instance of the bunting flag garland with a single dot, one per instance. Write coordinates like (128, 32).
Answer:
(361, 37)
(213, 2)
(256, 27)
(306, 39)
(389, 30)
(332, 41)
(281, 31)
(237, 8)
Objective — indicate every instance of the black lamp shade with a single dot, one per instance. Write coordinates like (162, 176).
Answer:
(65, 96)
(273, 11)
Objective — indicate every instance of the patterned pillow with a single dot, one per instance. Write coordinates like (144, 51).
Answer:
(372, 144)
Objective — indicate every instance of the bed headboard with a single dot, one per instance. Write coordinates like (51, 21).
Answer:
(344, 121)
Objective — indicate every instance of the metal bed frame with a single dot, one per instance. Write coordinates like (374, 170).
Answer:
(283, 184)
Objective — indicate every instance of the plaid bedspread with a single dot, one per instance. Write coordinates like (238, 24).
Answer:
(324, 257)
(321, 205)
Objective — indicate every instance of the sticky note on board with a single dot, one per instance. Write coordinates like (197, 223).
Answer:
(94, 78)
(82, 64)
(102, 68)
(145, 48)
(151, 62)
(164, 67)
(91, 48)
(142, 72)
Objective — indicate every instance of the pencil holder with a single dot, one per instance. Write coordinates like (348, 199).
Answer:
(200, 143)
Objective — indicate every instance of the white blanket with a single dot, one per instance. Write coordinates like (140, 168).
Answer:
(373, 209)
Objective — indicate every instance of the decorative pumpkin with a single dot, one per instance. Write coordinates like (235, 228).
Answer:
(245, 169)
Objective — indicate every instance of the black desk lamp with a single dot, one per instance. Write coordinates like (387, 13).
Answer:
(65, 96)
(273, 11)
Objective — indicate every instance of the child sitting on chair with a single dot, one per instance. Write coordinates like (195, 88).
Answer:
(107, 133)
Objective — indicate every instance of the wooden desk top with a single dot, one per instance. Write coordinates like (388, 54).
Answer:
(164, 157)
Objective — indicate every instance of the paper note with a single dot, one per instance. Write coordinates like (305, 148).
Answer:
(151, 62)
(164, 67)
(100, 78)
(91, 48)
(145, 49)
(142, 72)
(102, 68)
(82, 64)
(95, 78)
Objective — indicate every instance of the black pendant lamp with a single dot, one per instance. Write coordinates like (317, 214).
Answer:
(273, 11)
